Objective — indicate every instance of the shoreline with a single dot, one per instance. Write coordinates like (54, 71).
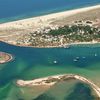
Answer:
(47, 17)
(58, 14)
(60, 46)
(14, 32)
(8, 60)
(52, 80)
(23, 17)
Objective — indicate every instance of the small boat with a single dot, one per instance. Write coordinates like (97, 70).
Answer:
(95, 54)
(75, 60)
(55, 62)
(83, 57)
(66, 46)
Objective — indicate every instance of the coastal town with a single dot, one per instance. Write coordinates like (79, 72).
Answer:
(77, 32)
(47, 55)
(54, 31)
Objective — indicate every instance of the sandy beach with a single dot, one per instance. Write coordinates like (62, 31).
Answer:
(17, 32)
(52, 80)
(46, 18)
(5, 57)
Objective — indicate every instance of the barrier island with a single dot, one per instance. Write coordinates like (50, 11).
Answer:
(55, 30)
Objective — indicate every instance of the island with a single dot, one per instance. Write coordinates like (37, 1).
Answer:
(79, 26)
(29, 76)
(52, 80)
(5, 57)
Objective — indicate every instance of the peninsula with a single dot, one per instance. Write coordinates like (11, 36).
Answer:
(54, 30)
(5, 57)
(52, 80)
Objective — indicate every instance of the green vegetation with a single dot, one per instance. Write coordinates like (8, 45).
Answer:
(54, 36)
(82, 33)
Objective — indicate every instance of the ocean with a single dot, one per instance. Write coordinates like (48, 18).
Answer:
(18, 9)
(31, 63)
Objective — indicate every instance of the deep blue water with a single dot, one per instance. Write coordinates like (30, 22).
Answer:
(17, 9)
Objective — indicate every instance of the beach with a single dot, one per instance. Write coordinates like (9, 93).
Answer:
(49, 49)
(18, 32)
(52, 80)
(5, 57)
(41, 64)
(45, 18)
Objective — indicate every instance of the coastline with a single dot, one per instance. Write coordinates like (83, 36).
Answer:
(10, 58)
(55, 15)
(47, 12)
(42, 68)
(52, 80)
(12, 31)
(59, 46)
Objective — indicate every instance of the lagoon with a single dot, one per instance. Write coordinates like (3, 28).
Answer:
(32, 63)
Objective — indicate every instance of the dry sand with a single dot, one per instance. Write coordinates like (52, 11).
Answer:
(13, 32)
(57, 78)
(43, 20)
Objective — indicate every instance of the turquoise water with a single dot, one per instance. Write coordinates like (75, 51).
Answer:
(70, 90)
(31, 63)
(18, 9)
(41, 59)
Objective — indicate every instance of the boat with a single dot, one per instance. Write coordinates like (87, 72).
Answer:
(95, 54)
(66, 46)
(75, 60)
(55, 62)
(83, 57)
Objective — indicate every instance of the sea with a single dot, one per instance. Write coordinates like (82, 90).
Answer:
(32, 63)
(11, 10)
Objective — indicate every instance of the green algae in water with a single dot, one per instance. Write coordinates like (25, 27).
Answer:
(69, 90)
(32, 63)
(10, 92)
(80, 92)
(45, 97)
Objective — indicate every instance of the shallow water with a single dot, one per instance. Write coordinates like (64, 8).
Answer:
(31, 63)
(69, 90)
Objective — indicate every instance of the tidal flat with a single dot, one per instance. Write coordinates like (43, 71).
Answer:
(41, 64)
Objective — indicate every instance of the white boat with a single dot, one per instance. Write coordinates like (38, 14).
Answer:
(95, 54)
(83, 57)
(77, 57)
(75, 60)
(55, 62)
(66, 46)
